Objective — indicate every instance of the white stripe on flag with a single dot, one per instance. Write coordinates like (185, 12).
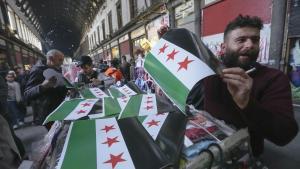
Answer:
(123, 101)
(148, 105)
(111, 145)
(126, 91)
(63, 153)
(187, 142)
(98, 93)
(153, 123)
(82, 109)
(190, 71)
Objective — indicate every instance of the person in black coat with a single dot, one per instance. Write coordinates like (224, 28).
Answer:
(44, 94)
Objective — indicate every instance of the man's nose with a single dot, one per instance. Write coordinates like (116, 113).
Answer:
(248, 44)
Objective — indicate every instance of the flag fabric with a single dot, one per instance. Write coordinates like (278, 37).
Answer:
(127, 91)
(121, 91)
(174, 68)
(123, 101)
(108, 144)
(115, 92)
(153, 123)
(139, 105)
(110, 107)
(93, 93)
(71, 110)
(167, 130)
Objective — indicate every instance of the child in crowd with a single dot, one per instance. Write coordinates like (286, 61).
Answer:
(13, 98)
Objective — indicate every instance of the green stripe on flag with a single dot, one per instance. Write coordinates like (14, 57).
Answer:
(167, 81)
(81, 151)
(63, 110)
(87, 94)
(111, 106)
(68, 84)
(132, 108)
(115, 92)
(141, 118)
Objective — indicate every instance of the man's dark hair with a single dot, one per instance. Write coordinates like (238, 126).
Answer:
(243, 21)
(115, 62)
(123, 57)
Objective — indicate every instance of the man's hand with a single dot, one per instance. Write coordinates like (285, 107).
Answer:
(49, 83)
(239, 85)
(96, 82)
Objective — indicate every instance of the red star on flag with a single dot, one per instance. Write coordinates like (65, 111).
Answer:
(149, 97)
(149, 107)
(110, 141)
(114, 160)
(184, 64)
(172, 55)
(108, 128)
(152, 123)
(162, 50)
(86, 104)
(80, 111)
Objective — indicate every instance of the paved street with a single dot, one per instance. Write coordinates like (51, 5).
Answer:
(274, 157)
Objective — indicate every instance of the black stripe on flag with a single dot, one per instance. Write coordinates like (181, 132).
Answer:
(171, 135)
(144, 152)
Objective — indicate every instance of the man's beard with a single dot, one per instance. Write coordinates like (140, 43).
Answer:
(231, 59)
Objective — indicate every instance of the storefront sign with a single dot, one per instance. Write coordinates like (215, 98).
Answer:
(138, 32)
(123, 38)
(155, 25)
(114, 43)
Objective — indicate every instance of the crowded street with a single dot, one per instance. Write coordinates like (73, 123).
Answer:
(149, 84)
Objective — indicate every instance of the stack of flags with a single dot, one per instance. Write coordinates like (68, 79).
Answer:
(129, 132)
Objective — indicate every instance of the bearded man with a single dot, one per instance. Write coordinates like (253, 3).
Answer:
(260, 99)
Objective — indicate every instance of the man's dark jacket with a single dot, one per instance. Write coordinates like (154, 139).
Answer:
(46, 99)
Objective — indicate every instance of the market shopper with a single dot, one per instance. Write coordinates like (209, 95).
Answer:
(88, 75)
(114, 71)
(125, 68)
(260, 100)
(13, 99)
(44, 93)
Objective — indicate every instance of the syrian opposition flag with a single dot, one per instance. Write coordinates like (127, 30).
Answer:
(115, 92)
(127, 91)
(71, 110)
(123, 101)
(167, 130)
(110, 144)
(110, 106)
(139, 105)
(175, 65)
(121, 91)
(93, 93)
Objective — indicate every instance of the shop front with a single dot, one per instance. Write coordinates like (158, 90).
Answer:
(25, 57)
(136, 38)
(185, 16)
(18, 55)
(154, 26)
(115, 53)
(125, 46)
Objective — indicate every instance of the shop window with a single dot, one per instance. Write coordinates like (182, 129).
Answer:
(119, 14)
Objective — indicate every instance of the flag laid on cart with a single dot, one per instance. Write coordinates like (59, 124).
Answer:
(108, 144)
(110, 106)
(123, 101)
(115, 92)
(127, 91)
(175, 65)
(71, 110)
(139, 105)
(167, 130)
(121, 91)
(93, 93)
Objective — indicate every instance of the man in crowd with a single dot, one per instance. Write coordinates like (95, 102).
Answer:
(260, 100)
(88, 75)
(44, 93)
(125, 68)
